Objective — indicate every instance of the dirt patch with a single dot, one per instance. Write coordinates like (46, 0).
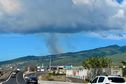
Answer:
(48, 77)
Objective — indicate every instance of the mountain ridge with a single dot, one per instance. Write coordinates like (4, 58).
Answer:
(70, 58)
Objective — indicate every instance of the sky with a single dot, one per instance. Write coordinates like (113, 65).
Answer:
(44, 27)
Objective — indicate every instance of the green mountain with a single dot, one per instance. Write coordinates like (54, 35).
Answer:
(117, 53)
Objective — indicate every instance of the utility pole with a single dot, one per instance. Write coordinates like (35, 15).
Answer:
(50, 64)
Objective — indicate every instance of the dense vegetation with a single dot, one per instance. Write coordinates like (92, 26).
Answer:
(97, 62)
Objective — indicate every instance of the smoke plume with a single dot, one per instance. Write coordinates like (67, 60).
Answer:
(52, 43)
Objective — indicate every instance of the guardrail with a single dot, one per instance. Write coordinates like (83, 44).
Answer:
(5, 76)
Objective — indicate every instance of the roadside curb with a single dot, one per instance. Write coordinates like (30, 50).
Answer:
(58, 82)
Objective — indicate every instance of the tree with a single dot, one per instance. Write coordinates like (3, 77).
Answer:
(97, 62)
(124, 68)
(96, 65)
(124, 63)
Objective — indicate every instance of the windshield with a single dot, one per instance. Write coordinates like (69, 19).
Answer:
(33, 78)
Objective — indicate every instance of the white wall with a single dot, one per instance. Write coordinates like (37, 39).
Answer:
(82, 74)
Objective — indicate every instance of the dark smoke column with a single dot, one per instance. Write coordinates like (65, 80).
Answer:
(52, 43)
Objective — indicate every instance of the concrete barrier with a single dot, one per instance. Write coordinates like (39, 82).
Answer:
(57, 82)
(5, 76)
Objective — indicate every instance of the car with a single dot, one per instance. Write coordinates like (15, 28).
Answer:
(108, 80)
(25, 77)
(13, 75)
(32, 80)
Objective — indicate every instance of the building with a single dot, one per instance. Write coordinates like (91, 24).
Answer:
(82, 73)
(77, 72)
(58, 69)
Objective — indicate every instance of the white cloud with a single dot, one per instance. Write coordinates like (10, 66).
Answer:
(10, 6)
(120, 14)
(112, 3)
(108, 35)
(82, 2)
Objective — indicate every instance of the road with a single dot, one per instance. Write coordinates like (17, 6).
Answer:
(20, 80)
(16, 80)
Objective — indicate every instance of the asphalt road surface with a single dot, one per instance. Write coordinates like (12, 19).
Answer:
(16, 80)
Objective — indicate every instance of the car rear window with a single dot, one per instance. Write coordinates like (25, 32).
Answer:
(116, 79)
(101, 79)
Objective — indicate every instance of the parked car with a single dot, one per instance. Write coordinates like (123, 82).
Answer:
(108, 80)
(32, 80)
